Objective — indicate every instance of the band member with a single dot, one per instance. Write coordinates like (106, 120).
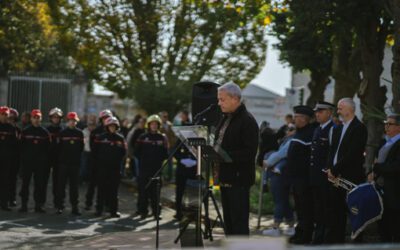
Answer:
(8, 144)
(298, 163)
(319, 156)
(237, 134)
(345, 160)
(109, 150)
(387, 173)
(35, 148)
(55, 127)
(151, 150)
(103, 116)
(70, 147)
(15, 159)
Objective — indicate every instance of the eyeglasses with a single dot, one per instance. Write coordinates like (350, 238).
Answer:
(388, 124)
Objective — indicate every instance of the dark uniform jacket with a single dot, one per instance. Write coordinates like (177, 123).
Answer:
(54, 131)
(240, 141)
(390, 171)
(268, 142)
(298, 156)
(108, 152)
(35, 146)
(151, 150)
(8, 141)
(70, 146)
(350, 157)
(319, 155)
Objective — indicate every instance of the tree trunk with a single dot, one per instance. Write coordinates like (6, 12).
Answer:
(373, 97)
(345, 68)
(396, 57)
(317, 86)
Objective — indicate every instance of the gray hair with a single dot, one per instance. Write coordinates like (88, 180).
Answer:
(231, 89)
(349, 101)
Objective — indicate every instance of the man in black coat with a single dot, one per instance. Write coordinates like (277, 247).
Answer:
(387, 172)
(345, 160)
(318, 159)
(298, 163)
(236, 134)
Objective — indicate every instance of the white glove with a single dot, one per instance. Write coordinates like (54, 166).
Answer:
(188, 162)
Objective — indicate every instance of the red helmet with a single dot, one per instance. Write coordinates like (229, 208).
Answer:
(105, 113)
(73, 116)
(36, 112)
(4, 110)
(56, 111)
(111, 120)
(14, 112)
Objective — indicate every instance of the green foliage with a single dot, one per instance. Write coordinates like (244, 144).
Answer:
(153, 51)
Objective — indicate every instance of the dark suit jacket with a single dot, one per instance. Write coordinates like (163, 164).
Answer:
(350, 158)
(240, 141)
(390, 171)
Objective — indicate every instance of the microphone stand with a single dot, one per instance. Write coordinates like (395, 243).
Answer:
(157, 177)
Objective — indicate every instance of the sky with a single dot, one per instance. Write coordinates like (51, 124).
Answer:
(274, 76)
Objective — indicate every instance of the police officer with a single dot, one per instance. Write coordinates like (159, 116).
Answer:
(185, 168)
(55, 127)
(35, 147)
(8, 142)
(109, 150)
(151, 150)
(103, 116)
(15, 161)
(70, 147)
(318, 162)
(298, 164)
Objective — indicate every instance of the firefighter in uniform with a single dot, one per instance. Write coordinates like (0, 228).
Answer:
(109, 150)
(318, 162)
(298, 164)
(15, 161)
(55, 127)
(35, 148)
(70, 147)
(151, 150)
(8, 142)
(103, 116)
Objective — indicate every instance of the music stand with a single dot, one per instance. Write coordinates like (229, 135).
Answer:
(194, 138)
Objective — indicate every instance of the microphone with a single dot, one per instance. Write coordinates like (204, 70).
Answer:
(212, 107)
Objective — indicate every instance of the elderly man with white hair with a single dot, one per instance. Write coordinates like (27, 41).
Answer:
(237, 135)
(345, 160)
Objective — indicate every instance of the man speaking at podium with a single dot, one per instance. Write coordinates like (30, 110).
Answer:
(237, 135)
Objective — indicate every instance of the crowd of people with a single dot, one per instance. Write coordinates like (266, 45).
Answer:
(310, 154)
(305, 158)
(95, 151)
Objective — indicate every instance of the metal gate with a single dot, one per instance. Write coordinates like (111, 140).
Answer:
(35, 92)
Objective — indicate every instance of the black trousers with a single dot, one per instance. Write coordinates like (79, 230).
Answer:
(147, 194)
(92, 182)
(37, 172)
(14, 171)
(4, 181)
(51, 169)
(389, 225)
(107, 190)
(181, 176)
(303, 201)
(235, 207)
(67, 174)
(337, 216)
(320, 202)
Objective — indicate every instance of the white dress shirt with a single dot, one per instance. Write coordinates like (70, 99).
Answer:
(345, 126)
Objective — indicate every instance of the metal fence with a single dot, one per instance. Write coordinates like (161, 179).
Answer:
(43, 92)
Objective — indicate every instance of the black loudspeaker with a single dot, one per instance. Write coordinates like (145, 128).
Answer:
(205, 94)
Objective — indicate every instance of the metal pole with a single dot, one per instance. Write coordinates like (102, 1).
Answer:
(200, 198)
(40, 94)
(260, 199)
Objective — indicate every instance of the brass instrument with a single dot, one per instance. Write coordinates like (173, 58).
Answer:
(341, 182)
